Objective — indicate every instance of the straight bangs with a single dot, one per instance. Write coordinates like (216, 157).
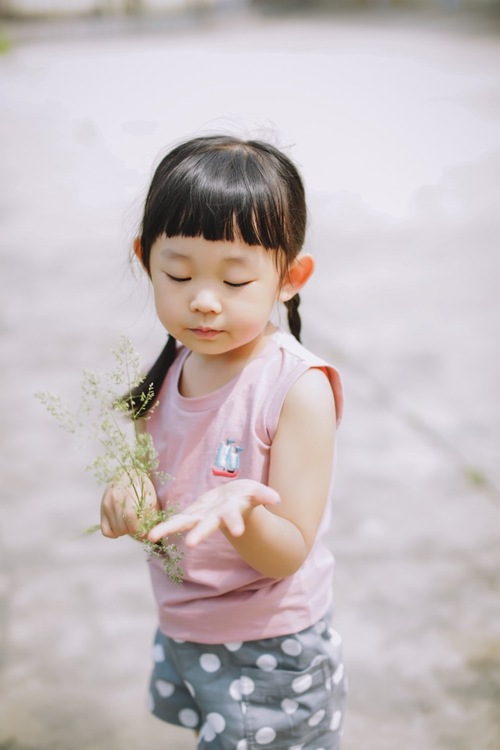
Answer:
(222, 194)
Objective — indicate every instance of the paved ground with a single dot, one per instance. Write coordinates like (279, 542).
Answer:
(395, 123)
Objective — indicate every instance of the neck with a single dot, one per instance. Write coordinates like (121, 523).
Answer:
(204, 373)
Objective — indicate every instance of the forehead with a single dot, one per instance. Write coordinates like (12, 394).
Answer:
(200, 250)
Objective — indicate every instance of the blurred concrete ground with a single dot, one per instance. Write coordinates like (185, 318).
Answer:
(394, 120)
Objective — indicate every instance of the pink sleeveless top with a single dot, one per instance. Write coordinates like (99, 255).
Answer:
(203, 442)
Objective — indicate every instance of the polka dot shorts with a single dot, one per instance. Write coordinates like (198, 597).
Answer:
(284, 693)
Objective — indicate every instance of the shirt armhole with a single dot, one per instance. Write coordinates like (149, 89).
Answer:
(272, 414)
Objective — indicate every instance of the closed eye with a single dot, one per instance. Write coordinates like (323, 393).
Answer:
(178, 278)
(242, 283)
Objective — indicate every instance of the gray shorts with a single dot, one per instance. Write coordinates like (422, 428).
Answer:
(276, 693)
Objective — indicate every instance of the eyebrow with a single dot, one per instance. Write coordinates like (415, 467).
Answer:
(168, 252)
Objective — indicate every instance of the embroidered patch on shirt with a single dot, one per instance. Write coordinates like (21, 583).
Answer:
(227, 459)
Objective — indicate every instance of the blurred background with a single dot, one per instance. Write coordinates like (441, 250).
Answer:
(391, 110)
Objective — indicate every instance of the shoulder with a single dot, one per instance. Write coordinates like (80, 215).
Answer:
(303, 372)
(310, 398)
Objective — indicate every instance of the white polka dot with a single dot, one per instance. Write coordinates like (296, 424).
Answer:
(301, 684)
(296, 747)
(242, 745)
(178, 640)
(317, 718)
(317, 660)
(328, 683)
(216, 721)
(289, 706)
(190, 688)
(188, 717)
(320, 627)
(339, 673)
(247, 685)
(207, 733)
(334, 637)
(336, 719)
(214, 725)
(291, 647)
(209, 662)
(158, 653)
(234, 690)
(267, 662)
(164, 688)
(265, 735)
(234, 646)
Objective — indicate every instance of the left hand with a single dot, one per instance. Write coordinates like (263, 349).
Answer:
(120, 503)
(226, 508)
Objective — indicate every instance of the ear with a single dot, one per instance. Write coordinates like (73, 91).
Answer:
(138, 248)
(297, 276)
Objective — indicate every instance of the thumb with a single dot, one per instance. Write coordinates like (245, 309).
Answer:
(264, 495)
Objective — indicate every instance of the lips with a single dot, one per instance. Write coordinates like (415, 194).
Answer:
(205, 333)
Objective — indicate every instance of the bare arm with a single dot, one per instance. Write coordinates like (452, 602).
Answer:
(277, 541)
(274, 536)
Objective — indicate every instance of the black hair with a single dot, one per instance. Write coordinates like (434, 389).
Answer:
(224, 188)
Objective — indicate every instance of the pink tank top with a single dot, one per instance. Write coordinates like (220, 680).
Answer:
(215, 438)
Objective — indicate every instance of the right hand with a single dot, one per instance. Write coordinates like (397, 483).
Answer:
(227, 507)
(119, 505)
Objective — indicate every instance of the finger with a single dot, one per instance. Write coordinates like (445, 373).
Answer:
(107, 512)
(115, 526)
(175, 524)
(203, 529)
(106, 529)
(129, 523)
(116, 495)
(115, 522)
(234, 523)
(264, 495)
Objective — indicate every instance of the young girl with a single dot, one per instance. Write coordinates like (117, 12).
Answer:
(244, 653)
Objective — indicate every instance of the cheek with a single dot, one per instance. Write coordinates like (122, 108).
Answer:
(257, 308)
(164, 302)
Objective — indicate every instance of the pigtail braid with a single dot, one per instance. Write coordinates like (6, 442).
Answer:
(155, 377)
(294, 321)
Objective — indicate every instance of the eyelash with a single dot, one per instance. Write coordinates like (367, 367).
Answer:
(176, 278)
(188, 278)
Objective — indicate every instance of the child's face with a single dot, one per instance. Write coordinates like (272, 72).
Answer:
(214, 297)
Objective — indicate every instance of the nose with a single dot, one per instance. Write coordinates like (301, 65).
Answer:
(205, 301)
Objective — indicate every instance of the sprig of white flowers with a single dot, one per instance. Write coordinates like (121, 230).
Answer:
(105, 410)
